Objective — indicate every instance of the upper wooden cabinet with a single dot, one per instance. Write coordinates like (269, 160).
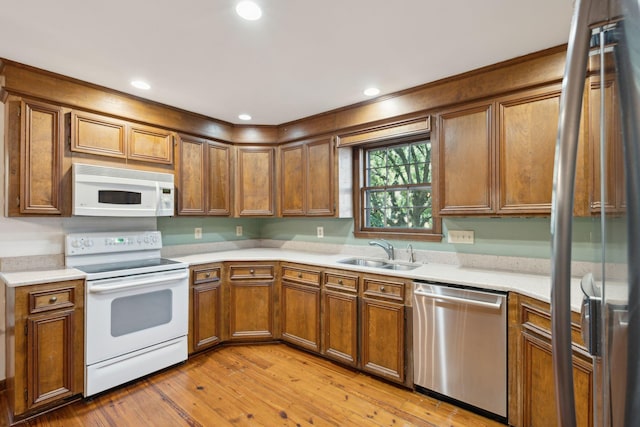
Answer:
(204, 177)
(307, 178)
(255, 181)
(35, 156)
(497, 157)
(106, 136)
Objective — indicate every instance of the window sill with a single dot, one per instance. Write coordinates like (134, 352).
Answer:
(399, 235)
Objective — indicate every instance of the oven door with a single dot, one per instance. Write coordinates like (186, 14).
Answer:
(125, 314)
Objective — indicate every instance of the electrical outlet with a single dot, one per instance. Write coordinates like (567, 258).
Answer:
(320, 232)
(238, 230)
(197, 233)
(464, 237)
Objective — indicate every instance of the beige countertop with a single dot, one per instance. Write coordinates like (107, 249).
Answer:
(536, 286)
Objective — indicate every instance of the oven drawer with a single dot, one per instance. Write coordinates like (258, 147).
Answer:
(51, 299)
(248, 271)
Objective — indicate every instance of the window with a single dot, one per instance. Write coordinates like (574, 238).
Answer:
(395, 192)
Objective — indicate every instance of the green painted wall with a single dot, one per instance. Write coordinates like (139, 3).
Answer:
(527, 237)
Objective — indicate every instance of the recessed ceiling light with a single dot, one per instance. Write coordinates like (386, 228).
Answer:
(249, 10)
(244, 117)
(141, 84)
(372, 91)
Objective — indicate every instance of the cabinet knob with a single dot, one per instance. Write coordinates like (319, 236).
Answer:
(207, 274)
(381, 288)
(339, 281)
(52, 300)
(252, 271)
(299, 275)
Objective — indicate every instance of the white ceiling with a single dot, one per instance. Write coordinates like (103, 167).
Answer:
(302, 58)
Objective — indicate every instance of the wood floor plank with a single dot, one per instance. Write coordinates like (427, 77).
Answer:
(258, 385)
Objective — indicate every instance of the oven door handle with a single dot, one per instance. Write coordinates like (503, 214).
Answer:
(136, 284)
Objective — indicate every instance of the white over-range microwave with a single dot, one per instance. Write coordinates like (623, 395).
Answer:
(109, 191)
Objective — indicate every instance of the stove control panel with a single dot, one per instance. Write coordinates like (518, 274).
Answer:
(96, 243)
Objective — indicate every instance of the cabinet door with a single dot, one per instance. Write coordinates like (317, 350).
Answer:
(251, 310)
(292, 179)
(191, 179)
(340, 323)
(218, 179)
(383, 339)
(254, 182)
(205, 316)
(95, 134)
(466, 161)
(300, 315)
(50, 358)
(539, 406)
(319, 178)
(528, 128)
(150, 144)
(40, 158)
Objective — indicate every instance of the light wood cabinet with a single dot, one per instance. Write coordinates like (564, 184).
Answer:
(383, 327)
(45, 345)
(532, 388)
(107, 136)
(251, 302)
(255, 187)
(35, 151)
(204, 177)
(497, 157)
(300, 309)
(205, 303)
(307, 178)
(340, 317)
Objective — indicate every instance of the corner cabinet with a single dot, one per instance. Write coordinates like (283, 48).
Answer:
(45, 345)
(496, 157)
(532, 387)
(255, 187)
(307, 176)
(204, 177)
(205, 307)
(252, 298)
(35, 154)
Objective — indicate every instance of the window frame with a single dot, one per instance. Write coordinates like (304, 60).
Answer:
(359, 170)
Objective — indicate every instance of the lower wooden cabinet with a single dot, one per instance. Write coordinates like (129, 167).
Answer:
(340, 317)
(383, 328)
(205, 299)
(251, 302)
(532, 387)
(300, 312)
(45, 345)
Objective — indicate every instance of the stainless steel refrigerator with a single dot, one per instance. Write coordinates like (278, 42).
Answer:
(604, 51)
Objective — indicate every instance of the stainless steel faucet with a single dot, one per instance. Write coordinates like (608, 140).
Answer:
(412, 256)
(388, 247)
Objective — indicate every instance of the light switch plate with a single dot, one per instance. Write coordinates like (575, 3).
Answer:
(465, 237)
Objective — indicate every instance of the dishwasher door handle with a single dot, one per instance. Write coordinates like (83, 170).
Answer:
(496, 305)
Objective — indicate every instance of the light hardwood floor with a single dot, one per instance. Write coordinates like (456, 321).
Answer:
(259, 385)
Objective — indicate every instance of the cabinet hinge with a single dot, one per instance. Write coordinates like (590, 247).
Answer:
(26, 395)
(18, 201)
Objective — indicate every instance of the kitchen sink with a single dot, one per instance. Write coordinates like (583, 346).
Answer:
(376, 263)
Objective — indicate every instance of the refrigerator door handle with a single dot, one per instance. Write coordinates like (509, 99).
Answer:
(562, 209)
(590, 315)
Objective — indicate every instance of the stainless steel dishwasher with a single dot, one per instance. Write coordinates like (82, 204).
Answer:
(460, 344)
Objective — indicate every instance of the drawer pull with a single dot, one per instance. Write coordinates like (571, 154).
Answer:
(53, 300)
(340, 282)
(381, 288)
(207, 274)
(252, 271)
(299, 275)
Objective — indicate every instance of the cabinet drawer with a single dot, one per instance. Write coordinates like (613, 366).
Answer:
(205, 275)
(382, 289)
(308, 277)
(237, 272)
(341, 282)
(52, 299)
